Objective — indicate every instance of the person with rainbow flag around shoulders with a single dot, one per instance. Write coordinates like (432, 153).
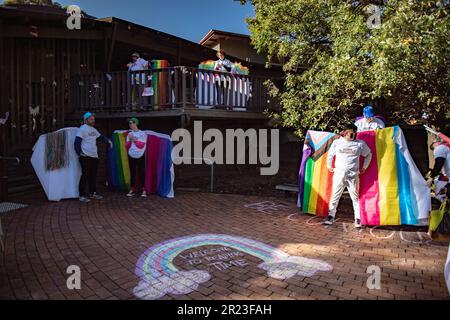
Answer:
(135, 145)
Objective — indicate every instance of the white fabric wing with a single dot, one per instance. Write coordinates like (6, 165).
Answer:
(62, 183)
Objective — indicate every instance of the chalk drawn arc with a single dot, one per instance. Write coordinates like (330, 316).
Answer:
(159, 275)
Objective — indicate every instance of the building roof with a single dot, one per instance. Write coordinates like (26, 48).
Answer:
(41, 9)
(157, 32)
(34, 14)
(56, 12)
(214, 35)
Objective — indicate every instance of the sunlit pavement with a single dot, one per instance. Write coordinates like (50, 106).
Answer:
(263, 249)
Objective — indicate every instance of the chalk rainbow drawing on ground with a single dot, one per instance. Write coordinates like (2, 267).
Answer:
(159, 276)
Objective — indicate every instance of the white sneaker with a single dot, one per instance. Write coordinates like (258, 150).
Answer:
(358, 224)
(130, 194)
(329, 221)
(84, 199)
(144, 194)
(96, 196)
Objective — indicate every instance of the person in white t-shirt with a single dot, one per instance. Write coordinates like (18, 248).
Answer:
(347, 150)
(222, 81)
(441, 153)
(138, 64)
(138, 79)
(135, 144)
(369, 121)
(86, 147)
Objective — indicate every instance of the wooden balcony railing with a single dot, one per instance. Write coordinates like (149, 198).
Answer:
(169, 88)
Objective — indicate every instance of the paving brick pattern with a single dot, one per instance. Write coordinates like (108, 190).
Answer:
(105, 239)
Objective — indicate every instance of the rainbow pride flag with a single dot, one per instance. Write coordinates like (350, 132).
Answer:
(315, 181)
(392, 190)
(159, 169)
(118, 166)
(237, 68)
(207, 65)
(159, 82)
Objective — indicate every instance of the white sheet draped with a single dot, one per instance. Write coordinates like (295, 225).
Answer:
(62, 183)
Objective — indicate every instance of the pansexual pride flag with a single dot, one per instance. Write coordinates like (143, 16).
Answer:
(392, 190)
(159, 169)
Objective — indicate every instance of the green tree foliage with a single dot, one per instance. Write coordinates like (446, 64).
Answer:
(334, 63)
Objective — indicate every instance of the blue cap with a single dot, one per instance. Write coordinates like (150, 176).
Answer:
(368, 112)
(87, 115)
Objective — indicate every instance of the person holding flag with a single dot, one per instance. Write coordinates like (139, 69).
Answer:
(135, 144)
(369, 121)
(222, 83)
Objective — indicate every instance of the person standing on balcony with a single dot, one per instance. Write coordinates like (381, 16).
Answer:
(222, 82)
(369, 121)
(138, 79)
(86, 148)
(135, 144)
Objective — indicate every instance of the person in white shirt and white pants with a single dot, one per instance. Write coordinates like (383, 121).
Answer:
(347, 151)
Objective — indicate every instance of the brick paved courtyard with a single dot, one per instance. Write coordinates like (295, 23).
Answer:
(223, 237)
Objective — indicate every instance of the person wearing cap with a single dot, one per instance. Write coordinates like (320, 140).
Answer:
(137, 78)
(369, 121)
(135, 144)
(86, 148)
(222, 65)
(346, 151)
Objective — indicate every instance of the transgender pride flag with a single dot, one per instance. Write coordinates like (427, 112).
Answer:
(392, 190)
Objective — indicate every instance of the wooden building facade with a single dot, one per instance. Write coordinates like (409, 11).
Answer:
(46, 70)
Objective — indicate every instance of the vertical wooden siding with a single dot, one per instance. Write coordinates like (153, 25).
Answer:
(36, 73)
